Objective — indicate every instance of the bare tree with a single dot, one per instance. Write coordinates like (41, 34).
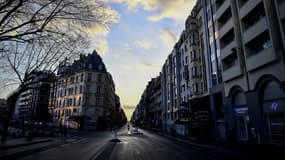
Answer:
(37, 34)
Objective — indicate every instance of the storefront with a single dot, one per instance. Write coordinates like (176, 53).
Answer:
(274, 113)
(241, 115)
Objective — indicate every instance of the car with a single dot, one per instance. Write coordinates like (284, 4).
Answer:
(135, 130)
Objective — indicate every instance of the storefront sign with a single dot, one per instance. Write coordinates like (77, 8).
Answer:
(274, 106)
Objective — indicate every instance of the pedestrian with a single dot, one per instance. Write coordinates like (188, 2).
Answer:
(61, 129)
(64, 131)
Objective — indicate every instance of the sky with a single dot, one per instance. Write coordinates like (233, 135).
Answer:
(135, 48)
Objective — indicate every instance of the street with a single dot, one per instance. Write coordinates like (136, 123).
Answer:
(143, 146)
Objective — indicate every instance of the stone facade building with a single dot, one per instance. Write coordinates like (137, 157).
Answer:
(84, 94)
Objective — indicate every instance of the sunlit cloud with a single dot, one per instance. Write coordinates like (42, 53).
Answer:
(146, 44)
(150, 65)
(129, 107)
(168, 37)
(101, 45)
(98, 33)
(177, 10)
(132, 5)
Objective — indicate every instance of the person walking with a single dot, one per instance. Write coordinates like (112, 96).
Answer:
(64, 133)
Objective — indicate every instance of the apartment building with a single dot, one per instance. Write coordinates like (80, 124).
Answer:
(84, 94)
(156, 103)
(33, 103)
(164, 97)
(169, 92)
(251, 35)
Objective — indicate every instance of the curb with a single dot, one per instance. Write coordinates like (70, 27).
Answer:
(24, 144)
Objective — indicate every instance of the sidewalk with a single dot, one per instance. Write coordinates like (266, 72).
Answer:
(18, 147)
(19, 142)
(253, 150)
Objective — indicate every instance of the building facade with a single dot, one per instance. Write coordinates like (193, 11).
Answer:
(227, 67)
(84, 94)
(33, 103)
(251, 34)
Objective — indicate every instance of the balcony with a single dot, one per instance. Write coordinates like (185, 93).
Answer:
(255, 30)
(222, 8)
(227, 50)
(261, 58)
(247, 7)
(226, 27)
(232, 72)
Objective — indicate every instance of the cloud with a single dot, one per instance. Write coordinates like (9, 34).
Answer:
(126, 47)
(129, 107)
(144, 44)
(177, 10)
(132, 5)
(174, 9)
(148, 64)
(168, 37)
(101, 45)
(98, 33)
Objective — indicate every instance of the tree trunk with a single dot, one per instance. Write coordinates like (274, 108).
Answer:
(11, 103)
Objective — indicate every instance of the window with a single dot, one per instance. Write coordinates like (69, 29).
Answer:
(99, 78)
(89, 77)
(259, 43)
(98, 89)
(88, 88)
(76, 79)
(80, 91)
(74, 101)
(75, 90)
(87, 100)
(81, 78)
(79, 101)
(100, 67)
(71, 80)
(97, 100)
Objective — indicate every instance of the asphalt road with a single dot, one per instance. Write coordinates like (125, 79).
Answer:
(144, 146)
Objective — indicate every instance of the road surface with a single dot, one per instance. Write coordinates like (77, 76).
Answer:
(144, 146)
